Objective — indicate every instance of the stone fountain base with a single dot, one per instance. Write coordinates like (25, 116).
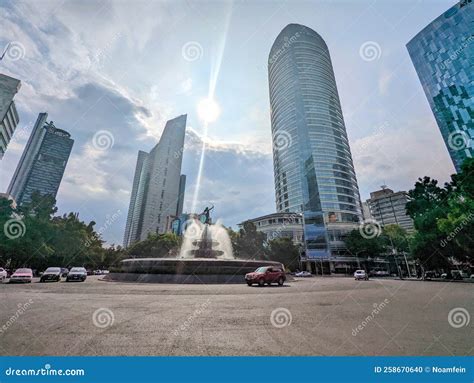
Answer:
(192, 271)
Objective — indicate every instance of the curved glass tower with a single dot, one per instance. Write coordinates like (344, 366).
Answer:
(443, 56)
(313, 167)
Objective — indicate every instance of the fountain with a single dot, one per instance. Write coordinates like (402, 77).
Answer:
(205, 257)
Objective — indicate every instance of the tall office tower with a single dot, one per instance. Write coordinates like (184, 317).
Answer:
(443, 54)
(387, 208)
(312, 161)
(8, 115)
(157, 184)
(42, 163)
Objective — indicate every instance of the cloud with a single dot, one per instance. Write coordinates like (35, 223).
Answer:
(395, 156)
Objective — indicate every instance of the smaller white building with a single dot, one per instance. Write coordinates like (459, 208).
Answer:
(280, 225)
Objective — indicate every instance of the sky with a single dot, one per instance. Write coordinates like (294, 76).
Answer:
(112, 73)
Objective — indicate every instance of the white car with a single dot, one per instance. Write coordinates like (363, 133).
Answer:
(360, 274)
(303, 274)
(3, 274)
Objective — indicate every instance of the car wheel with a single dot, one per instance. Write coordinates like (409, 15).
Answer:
(261, 282)
(281, 281)
(249, 283)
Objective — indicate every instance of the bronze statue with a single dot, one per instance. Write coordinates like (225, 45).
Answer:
(206, 213)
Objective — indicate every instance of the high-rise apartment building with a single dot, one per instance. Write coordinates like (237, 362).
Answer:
(443, 56)
(387, 207)
(158, 186)
(9, 119)
(42, 163)
(313, 167)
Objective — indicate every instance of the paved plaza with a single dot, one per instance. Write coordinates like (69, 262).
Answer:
(314, 316)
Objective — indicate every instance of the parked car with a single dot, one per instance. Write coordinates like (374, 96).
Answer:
(361, 274)
(64, 272)
(457, 276)
(303, 274)
(77, 274)
(382, 273)
(428, 275)
(23, 275)
(51, 274)
(3, 274)
(267, 275)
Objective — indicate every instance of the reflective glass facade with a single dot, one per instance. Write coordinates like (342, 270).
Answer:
(313, 166)
(9, 119)
(158, 186)
(42, 163)
(443, 56)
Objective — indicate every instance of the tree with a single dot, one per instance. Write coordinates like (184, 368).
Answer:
(363, 246)
(396, 236)
(283, 250)
(33, 237)
(156, 245)
(443, 218)
(250, 243)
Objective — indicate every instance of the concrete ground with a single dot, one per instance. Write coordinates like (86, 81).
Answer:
(314, 316)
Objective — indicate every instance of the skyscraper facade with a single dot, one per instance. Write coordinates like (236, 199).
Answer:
(443, 55)
(42, 163)
(9, 119)
(313, 167)
(158, 186)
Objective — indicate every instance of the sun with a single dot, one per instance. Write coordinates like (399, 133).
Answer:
(208, 110)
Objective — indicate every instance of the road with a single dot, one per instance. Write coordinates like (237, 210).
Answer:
(314, 316)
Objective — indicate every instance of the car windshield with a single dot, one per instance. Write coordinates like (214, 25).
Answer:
(53, 270)
(360, 271)
(78, 269)
(261, 270)
(23, 271)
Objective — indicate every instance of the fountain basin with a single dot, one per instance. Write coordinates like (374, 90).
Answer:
(192, 271)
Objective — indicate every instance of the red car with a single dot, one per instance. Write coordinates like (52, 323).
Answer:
(267, 275)
(22, 275)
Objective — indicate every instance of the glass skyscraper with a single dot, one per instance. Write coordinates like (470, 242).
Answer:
(313, 167)
(158, 185)
(9, 119)
(443, 56)
(42, 163)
